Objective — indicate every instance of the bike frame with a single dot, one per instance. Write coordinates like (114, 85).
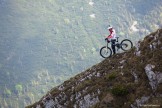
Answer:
(116, 44)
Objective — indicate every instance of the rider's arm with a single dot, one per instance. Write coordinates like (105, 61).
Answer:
(110, 36)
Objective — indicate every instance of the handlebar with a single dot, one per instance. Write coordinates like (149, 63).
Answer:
(106, 39)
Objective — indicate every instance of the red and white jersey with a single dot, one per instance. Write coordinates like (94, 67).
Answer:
(112, 34)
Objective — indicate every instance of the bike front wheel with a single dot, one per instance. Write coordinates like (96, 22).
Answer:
(126, 45)
(105, 52)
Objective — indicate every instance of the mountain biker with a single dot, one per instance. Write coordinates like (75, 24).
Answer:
(111, 38)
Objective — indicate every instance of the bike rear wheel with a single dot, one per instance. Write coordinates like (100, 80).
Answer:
(105, 52)
(126, 45)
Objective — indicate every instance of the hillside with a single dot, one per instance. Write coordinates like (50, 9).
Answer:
(129, 79)
(45, 42)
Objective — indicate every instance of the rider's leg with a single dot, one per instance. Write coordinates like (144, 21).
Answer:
(113, 46)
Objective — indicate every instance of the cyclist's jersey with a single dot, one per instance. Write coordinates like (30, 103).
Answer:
(112, 34)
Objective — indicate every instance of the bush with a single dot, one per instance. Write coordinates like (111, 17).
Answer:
(112, 76)
(7, 93)
(119, 90)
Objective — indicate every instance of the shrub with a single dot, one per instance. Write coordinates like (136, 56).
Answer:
(112, 76)
(119, 90)
(8, 93)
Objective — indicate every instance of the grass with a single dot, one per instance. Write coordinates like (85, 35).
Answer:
(112, 76)
(119, 90)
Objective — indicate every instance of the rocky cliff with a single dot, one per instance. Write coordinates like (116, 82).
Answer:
(130, 79)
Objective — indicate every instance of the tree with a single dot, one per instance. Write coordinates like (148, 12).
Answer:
(7, 92)
(18, 88)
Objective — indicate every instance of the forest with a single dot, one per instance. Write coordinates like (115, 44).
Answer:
(45, 42)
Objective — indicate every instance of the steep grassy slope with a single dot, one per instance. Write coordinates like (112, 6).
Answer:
(125, 80)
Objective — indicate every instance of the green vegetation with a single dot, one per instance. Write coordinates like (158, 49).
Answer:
(119, 90)
(7, 92)
(45, 42)
(18, 88)
(112, 76)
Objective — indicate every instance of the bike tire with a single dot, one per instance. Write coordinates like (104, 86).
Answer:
(126, 44)
(105, 52)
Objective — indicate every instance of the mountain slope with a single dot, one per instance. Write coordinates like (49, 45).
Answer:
(128, 79)
(45, 42)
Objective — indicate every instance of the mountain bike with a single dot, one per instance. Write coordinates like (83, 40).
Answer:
(125, 45)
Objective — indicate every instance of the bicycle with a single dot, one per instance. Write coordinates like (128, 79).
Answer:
(125, 45)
